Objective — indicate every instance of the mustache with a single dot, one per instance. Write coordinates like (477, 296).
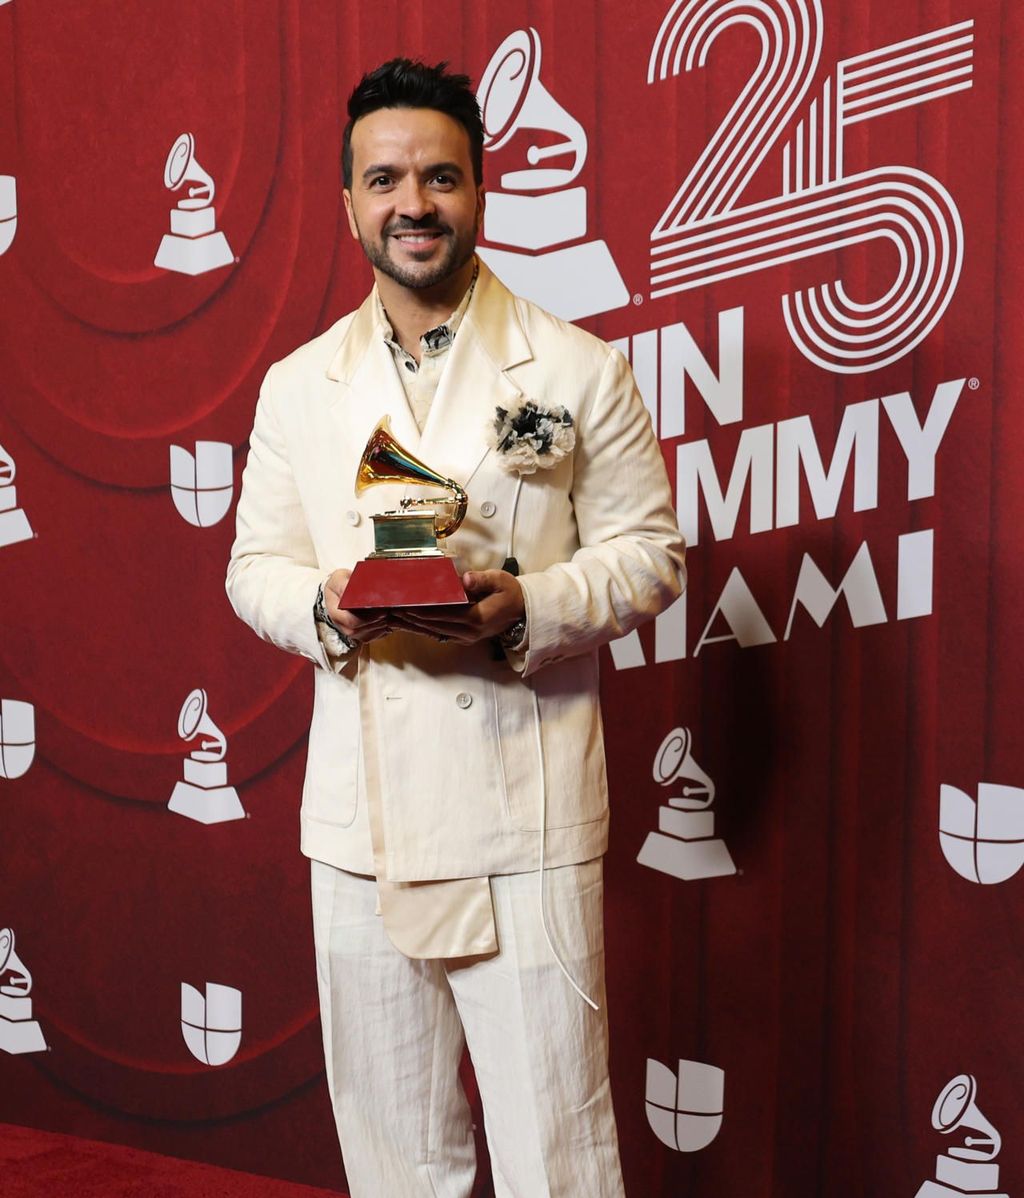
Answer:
(406, 224)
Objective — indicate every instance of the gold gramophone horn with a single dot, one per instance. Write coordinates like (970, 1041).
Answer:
(385, 461)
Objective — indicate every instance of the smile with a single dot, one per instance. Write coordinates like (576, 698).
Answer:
(423, 238)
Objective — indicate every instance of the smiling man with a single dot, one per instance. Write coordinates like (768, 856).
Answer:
(414, 209)
(455, 806)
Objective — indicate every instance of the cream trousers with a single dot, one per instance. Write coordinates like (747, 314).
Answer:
(394, 1031)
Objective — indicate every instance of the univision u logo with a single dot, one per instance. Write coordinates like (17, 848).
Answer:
(211, 1023)
(685, 1110)
(984, 840)
(17, 737)
(8, 211)
(202, 483)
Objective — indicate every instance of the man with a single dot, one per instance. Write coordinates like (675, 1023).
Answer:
(455, 804)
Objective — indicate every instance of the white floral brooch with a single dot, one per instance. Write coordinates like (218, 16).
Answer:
(531, 438)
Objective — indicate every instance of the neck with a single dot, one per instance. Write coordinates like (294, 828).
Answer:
(413, 311)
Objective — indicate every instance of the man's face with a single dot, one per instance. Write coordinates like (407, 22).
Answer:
(414, 205)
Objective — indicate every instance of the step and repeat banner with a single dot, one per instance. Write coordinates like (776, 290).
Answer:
(798, 220)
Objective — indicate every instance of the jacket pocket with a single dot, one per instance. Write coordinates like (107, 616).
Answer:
(331, 789)
(565, 771)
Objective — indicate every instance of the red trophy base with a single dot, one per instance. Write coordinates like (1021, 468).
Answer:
(403, 582)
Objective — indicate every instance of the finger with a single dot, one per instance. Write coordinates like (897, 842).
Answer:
(464, 617)
(461, 616)
(374, 636)
(475, 620)
(441, 632)
(427, 626)
(365, 620)
(361, 629)
(335, 586)
(364, 638)
(482, 582)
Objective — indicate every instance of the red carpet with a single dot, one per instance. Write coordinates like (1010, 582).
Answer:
(41, 1164)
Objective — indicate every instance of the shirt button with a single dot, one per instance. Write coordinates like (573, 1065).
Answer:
(463, 700)
(487, 509)
(353, 518)
(410, 365)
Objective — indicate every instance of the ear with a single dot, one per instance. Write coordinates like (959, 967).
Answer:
(481, 204)
(353, 227)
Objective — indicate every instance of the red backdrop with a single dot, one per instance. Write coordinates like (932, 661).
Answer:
(846, 972)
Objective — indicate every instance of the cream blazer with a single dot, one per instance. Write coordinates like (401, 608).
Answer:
(467, 759)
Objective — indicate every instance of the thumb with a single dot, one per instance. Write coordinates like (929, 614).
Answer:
(479, 582)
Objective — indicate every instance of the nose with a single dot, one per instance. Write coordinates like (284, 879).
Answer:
(415, 200)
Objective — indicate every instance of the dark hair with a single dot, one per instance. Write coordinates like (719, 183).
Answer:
(403, 83)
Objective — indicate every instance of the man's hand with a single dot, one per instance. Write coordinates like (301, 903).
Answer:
(496, 602)
(356, 628)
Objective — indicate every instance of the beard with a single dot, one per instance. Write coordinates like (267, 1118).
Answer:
(457, 252)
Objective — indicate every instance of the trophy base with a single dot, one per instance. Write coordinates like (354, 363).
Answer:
(689, 860)
(14, 527)
(21, 1036)
(193, 255)
(403, 582)
(218, 805)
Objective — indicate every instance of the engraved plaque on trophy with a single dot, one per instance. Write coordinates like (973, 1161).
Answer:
(408, 566)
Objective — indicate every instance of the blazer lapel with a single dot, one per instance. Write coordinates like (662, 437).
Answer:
(489, 341)
(371, 386)
(457, 436)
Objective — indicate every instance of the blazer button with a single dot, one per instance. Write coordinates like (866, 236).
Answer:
(487, 509)
(463, 700)
(353, 518)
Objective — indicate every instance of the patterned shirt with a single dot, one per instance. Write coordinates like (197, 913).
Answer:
(420, 379)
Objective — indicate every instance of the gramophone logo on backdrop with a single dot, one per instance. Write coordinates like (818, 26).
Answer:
(546, 257)
(8, 212)
(212, 1022)
(194, 244)
(970, 1167)
(14, 525)
(202, 484)
(685, 844)
(17, 737)
(685, 1111)
(984, 840)
(204, 795)
(19, 1032)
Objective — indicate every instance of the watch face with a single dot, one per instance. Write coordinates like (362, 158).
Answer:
(513, 635)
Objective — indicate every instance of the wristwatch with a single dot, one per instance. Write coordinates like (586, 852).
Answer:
(514, 635)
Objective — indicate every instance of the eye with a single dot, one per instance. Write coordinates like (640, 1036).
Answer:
(377, 182)
(443, 180)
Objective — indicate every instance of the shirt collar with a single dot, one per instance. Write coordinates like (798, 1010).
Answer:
(442, 335)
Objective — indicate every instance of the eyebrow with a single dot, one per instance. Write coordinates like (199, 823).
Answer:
(385, 168)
